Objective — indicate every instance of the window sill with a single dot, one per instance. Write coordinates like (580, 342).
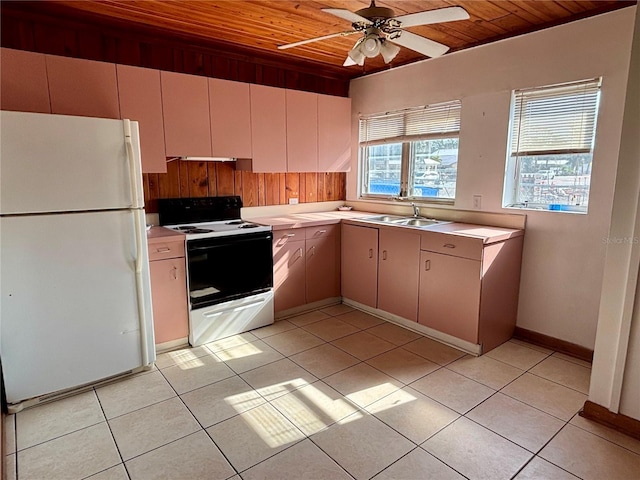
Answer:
(426, 202)
(571, 209)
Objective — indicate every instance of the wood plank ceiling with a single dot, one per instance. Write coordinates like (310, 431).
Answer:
(258, 26)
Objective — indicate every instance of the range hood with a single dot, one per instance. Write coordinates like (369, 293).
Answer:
(206, 159)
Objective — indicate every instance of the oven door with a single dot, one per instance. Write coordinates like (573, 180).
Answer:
(229, 267)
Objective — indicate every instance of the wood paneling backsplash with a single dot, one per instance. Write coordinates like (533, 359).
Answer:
(202, 179)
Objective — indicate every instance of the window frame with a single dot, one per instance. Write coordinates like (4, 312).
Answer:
(407, 136)
(515, 156)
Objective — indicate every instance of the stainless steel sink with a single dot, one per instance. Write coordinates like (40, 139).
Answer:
(404, 221)
(417, 222)
(383, 218)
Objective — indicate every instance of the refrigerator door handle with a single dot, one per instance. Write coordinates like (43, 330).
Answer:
(134, 175)
(137, 220)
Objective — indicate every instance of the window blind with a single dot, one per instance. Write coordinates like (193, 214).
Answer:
(555, 120)
(431, 121)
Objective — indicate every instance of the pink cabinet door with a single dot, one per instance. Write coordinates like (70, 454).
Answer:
(23, 84)
(268, 129)
(169, 298)
(141, 100)
(334, 134)
(82, 87)
(302, 131)
(322, 268)
(450, 295)
(398, 273)
(230, 110)
(288, 272)
(360, 264)
(185, 109)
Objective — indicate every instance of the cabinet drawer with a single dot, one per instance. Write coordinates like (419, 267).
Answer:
(322, 231)
(163, 250)
(282, 237)
(454, 245)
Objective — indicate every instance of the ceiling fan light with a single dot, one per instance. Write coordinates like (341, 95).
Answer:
(356, 55)
(389, 51)
(370, 47)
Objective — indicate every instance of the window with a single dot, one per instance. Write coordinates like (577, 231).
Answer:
(411, 153)
(551, 146)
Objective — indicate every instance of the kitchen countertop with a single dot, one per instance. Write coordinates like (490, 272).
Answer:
(312, 219)
(487, 233)
(161, 234)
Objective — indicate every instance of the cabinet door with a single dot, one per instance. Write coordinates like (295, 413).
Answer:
(230, 108)
(268, 129)
(169, 298)
(82, 87)
(334, 134)
(302, 131)
(288, 272)
(141, 100)
(360, 264)
(398, 273)
(450, 295)
(185, 109)
(322, 268)
(23, 85)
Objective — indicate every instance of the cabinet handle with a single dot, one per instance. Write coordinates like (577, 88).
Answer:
(371, 253)
(313, 249)
(174, 270)
(384, 254)
(449, 245)
(163, 250)
(290, 235)
(322, 231)
(300, 252)
(427, 265)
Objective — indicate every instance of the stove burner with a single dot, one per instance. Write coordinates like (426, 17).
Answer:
(184, 227)
(235, 222)
(248, 225)
(200, 230)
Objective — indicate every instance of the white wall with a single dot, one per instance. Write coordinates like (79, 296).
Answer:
(564, 253)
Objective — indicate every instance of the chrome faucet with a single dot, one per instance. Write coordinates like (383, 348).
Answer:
(416, 210)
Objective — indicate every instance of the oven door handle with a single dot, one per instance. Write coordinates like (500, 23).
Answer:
(235, 309)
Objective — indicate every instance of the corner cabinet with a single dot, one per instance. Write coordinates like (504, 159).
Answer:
(168, 288)
(23, 84)
(306, 265)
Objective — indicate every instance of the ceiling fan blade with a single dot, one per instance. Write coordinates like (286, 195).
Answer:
(317, 39)
(347, 15)
(349, 62)
(419, 44)
(448, 14)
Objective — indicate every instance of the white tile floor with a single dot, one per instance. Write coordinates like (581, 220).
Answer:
(331, 394)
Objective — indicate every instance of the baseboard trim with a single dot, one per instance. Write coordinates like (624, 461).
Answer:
(562, 346)
(617, 421)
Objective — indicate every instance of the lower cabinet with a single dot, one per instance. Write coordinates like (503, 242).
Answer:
(450, 295)
(306, 266)
(168, 289)
(360, 264)
(398, 273)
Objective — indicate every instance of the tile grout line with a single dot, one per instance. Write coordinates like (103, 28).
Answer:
(95, 392)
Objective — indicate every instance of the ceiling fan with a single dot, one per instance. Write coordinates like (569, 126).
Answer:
(383, 32)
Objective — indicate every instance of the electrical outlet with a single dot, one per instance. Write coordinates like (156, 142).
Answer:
(477, 202)
(293, 201)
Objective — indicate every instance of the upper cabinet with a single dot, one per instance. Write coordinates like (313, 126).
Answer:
(334, 134)
(230, 108)
(141, 100)
(185, 110)
(268, 129)
(23, 85)
(82, 87)
(302, 131)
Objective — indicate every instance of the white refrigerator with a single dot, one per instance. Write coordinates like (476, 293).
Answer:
(75, 295)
